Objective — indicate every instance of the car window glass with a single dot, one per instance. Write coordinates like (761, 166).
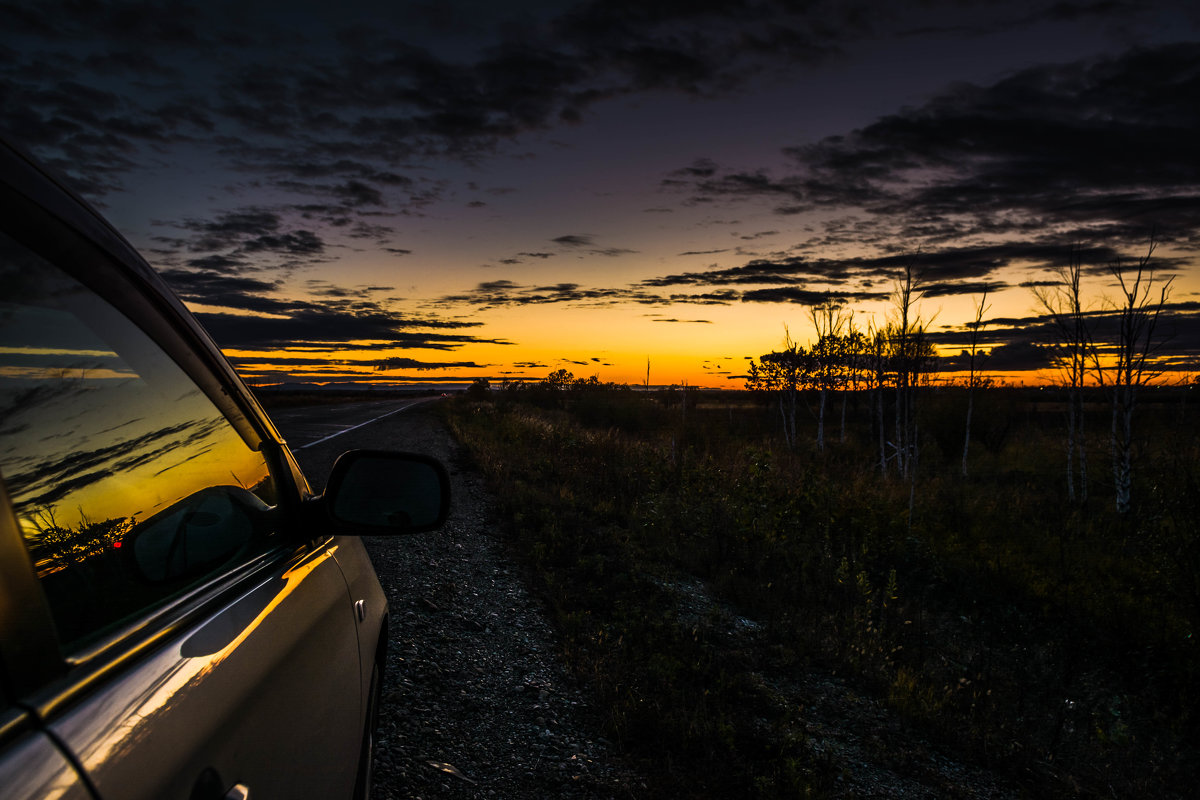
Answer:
(128, 483)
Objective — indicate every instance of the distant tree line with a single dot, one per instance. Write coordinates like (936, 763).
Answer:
(1112, 345)
(887, 363)
(553, 389)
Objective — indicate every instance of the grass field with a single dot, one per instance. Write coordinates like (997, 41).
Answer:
(695, 565)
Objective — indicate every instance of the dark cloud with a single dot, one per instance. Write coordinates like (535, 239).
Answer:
(573, 240)
(946, 289)
(295, 243)
(213, 287)
(227, 229)
(1013, 344)
(375, 100)
(412, 363)
(1012, 357)
(322, 288)
(612, 252)
(357, 193)
(242, 240)
(949, 271)
(807, 297)
(1020, 16)
(215, 263)
(507, 293)
(337, 317)
(317, 325)
(707, 298)
(700, 168)
(1103, 149)
(337, 94)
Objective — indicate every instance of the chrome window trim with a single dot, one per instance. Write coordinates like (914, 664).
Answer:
(14, 721)
(93, 667)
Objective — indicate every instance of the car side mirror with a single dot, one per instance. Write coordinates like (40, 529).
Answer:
(380, 492)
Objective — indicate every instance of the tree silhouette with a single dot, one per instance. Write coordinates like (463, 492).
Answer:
(827, 357)
(1137, 341)
(781, 372)
(973, 378)
(1071, 352)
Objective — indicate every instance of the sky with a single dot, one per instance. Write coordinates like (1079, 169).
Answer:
(433, 192)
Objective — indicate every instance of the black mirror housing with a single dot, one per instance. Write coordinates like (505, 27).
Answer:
(383, 492)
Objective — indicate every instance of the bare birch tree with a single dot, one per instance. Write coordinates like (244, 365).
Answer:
(876, 374)
(829, 318)
(1071, 353)
(782, 372)
(1137, 341)
(908, 348)
(854, 356)
(976, 326)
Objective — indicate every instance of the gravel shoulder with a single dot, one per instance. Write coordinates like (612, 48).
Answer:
(477, 703)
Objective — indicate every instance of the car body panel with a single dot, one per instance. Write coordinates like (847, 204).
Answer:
(212, 700)
(369, 602)
(31, 765)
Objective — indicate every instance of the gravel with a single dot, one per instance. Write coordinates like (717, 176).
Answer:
(476, 700)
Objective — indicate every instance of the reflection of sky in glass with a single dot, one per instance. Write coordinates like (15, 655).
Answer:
(96, 423)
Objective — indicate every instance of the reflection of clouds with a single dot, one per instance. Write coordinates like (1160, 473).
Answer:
(15, 401)
(35, 363)
(192, 457)
(56, 475)
(202, 430)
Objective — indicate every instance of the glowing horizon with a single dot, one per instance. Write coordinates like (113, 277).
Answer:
(357, 193)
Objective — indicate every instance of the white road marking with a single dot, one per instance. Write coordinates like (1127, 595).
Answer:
(361, 424)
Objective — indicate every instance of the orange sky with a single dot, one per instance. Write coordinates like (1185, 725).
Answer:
(344, 187)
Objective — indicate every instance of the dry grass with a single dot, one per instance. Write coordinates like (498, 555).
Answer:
(1050, 643)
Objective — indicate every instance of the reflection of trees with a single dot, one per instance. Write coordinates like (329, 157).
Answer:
(55, 547)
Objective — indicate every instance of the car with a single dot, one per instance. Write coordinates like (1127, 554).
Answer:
(181, 616)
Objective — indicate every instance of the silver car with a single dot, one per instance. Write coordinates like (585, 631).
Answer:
(180, 616)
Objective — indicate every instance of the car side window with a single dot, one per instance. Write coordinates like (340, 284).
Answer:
(129, 485)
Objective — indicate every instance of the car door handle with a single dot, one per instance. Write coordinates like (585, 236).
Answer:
(238, 792)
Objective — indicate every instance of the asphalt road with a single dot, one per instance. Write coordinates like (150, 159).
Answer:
(345, 426)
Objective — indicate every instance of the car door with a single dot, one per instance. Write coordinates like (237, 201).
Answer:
(200, 645)
(32, 764)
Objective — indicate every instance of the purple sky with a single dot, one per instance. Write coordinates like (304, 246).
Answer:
(444, 190)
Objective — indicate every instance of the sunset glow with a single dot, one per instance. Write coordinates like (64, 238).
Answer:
(346, 195)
